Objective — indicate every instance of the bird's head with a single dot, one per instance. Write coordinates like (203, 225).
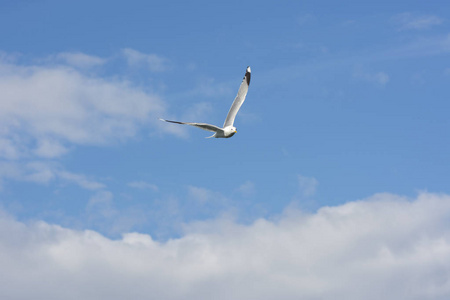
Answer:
(230, 131)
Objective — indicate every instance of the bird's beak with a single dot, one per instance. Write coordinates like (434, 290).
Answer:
(235, 130)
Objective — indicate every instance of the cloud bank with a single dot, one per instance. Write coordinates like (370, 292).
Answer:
(385, 247)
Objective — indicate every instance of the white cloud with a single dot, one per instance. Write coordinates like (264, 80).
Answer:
(409, 21)
(52, 106)
(386, 247)
(153, 62)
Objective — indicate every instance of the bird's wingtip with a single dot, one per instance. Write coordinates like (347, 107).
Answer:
(161, 119)
(247, 75)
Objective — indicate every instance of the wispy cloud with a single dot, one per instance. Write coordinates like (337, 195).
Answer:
(153, 62)
(9, 148)
(101, 204)
(102, 213)
(44, 172)
(209, 87)
(203, 195)
(200, 202)
(48, 148)
(247, 189)
(307, 185)
(80, 180)
(142, 185)
(78, 59)
(379, 78)
(385, 247)
(305, 19)
(409, 21)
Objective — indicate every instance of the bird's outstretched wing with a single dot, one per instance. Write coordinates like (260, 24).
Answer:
(242, 92)
(204, 126)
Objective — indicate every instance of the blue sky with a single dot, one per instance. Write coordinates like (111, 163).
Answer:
(347, 107)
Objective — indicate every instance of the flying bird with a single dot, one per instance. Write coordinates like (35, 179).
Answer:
(228, 130)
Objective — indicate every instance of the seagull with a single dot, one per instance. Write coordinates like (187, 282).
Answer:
(228, 130)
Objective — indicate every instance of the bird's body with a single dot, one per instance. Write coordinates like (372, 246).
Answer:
(228, 130)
